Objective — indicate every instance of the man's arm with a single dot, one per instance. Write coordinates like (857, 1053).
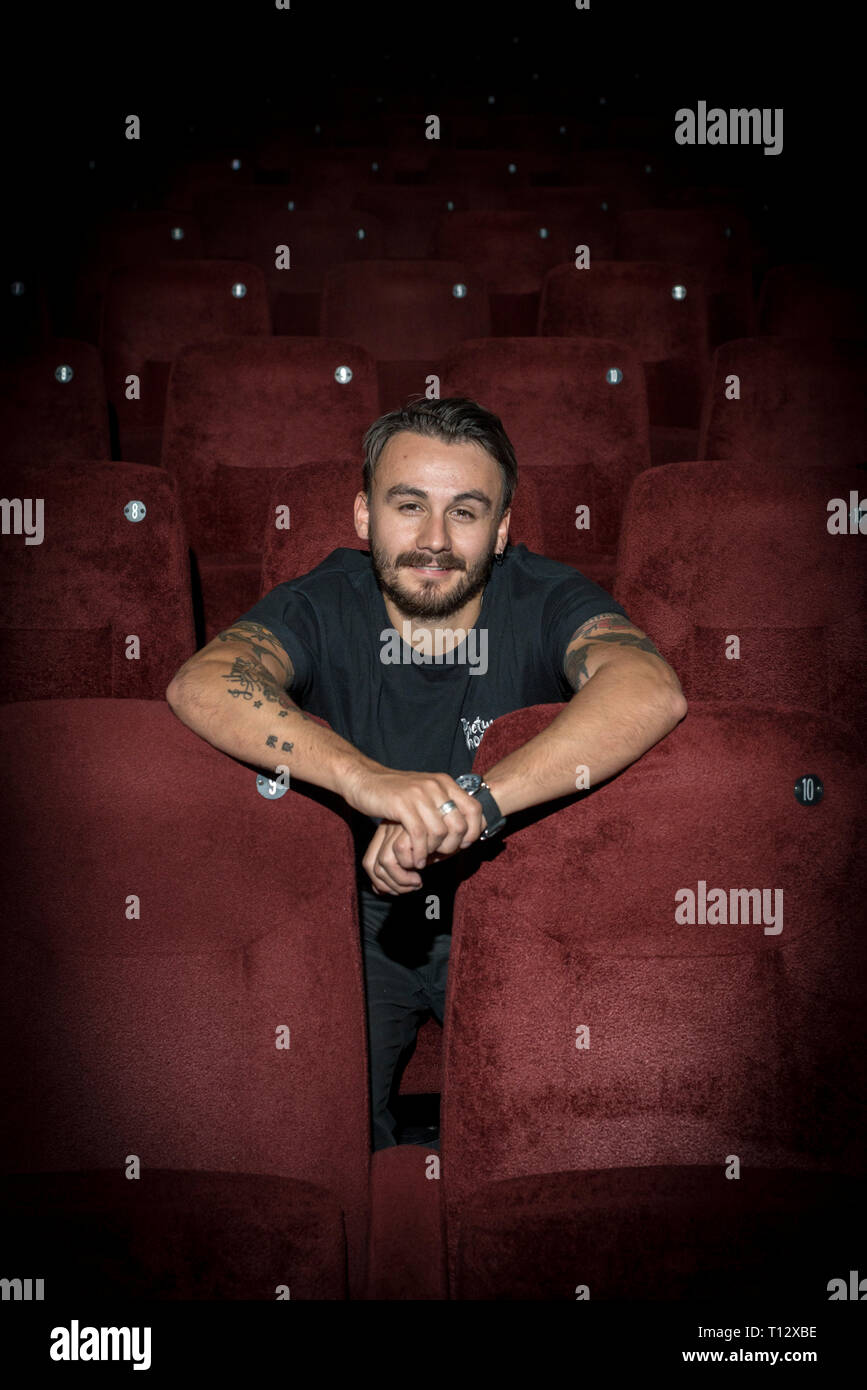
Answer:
(626, 698)
(233, 693)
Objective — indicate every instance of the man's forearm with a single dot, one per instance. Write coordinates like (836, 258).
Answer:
(623, 710)
(257, 722)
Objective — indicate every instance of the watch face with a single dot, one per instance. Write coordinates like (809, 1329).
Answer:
(469, 782)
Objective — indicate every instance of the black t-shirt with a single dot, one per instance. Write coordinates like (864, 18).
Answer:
(428, 715)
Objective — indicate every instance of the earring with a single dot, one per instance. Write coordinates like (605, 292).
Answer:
(499, 557)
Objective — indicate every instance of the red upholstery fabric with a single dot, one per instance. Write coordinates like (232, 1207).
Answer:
(44, 418)
(164, 1024)
(582, 439)
(802, 402)
(409, 215)
(511, 251)
(151, 312)
(576, 216)
(71, 604)
(238, 412)
(127, 238)
(716, 241)
(407, 1249)
(760, 564)
(705, 1041)
(632, 302)
(247, 409)
(251, 227)
(403, 309)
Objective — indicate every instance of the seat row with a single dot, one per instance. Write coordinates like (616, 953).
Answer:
(749, 577)
(654, 1072)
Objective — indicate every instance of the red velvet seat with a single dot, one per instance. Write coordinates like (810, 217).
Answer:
(582, 436)
(710, 552)
(53, 405)
(483, 174)
(101, 607)
(511, 252)
(341, 173)
(409, 215)
(252, 226)
(576, 216)
(150, 313)
(608, 1152)
(238, 413)
(165, 962)
(641, 304)
(406, 314)
(129, 239)
(714, 240)
(802, 402)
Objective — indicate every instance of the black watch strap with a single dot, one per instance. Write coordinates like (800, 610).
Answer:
(493, 815)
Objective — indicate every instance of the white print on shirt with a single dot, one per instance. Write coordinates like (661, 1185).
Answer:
(473, 732)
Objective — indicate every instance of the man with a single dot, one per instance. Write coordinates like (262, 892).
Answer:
(410, 652)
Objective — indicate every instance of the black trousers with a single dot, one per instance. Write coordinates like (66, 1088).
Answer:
(406, 959)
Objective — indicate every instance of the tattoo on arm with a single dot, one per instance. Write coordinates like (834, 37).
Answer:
(608, 627)
(250, 677)
(261, 641)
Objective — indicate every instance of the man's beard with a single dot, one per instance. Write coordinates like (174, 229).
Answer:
(428, 603)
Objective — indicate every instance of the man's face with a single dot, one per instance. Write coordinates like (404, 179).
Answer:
(432, 524)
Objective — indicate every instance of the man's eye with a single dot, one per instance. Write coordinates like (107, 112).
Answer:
(459, 511)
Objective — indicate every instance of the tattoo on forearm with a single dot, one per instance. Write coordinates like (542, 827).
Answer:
(608, 627)
(271, 742)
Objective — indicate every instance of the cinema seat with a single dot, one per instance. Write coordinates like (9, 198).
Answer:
(129, 239)
(613, 1066)
(203, 998)
(341, 173)
(716, 552)
(406, 314)
(808, 300)
(581, 435)
(252, 227)
(53, 405)
(716, 241)
(238, 413)
(658, 310)
(409, 216)
(151, 312)
(484, 175)
(573, 216)
(101, 606)
(511, 252)
(801, 402)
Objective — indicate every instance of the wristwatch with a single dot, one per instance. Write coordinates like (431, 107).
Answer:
(472, 784)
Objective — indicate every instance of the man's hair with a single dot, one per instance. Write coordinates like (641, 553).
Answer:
(454, 419)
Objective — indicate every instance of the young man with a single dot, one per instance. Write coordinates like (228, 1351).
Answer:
(410, 652)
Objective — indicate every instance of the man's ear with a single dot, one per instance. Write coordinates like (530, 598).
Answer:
(362, 516)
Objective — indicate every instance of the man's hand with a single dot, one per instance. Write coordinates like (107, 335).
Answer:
(388, 861)
(412, 800)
